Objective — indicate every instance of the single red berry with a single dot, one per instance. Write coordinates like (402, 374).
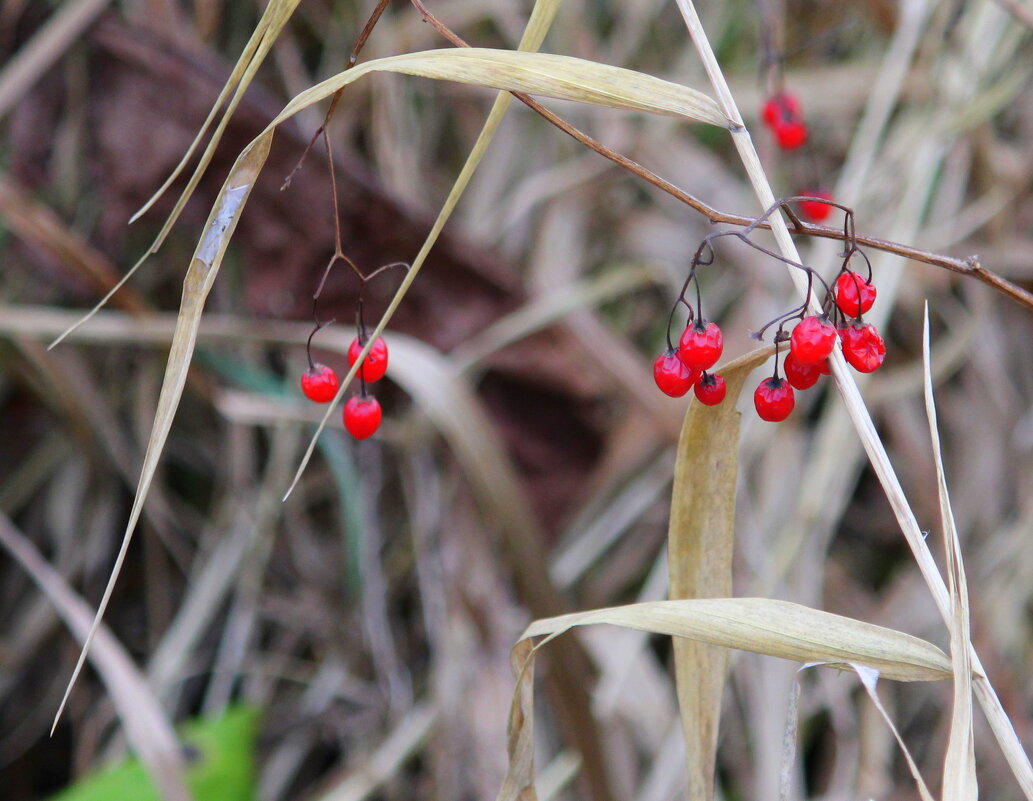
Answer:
(781, 108)
(375, 364)
(791, 135)
(319, 383)
(710, 389)
(774, 399)
(812, 340)
(701, 345)
(814, 210)
(854, 294)
(362, 416)
(803, 376)
(863, 347)
(672, 375)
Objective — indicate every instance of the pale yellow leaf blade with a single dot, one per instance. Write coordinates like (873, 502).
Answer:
(774, 628)
(699, 559)
(198, 282)
(959, 767)
(541, 74)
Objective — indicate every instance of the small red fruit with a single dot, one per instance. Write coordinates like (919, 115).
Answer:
(863, 347)
(774, 399)
(803, 376)
(710, 389)
(812, 340)
(375, 364)
(814, 210)
(319, 383)
(672, 375)
(854, 294)
(781, 108)
(791, 135)
(701, 345)
(362, 416)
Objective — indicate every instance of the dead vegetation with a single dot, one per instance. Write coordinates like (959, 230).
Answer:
(526, 466)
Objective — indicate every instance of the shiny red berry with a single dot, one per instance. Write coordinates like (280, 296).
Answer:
(774, 399)
(814, 210)
(672, 375)
(803, 376)
(701, 345)
(863, 347)
(791, 135)
(812, 340)
(319, 383)
(710, 389)
(854, 294)
(375, 364)
(362, 416)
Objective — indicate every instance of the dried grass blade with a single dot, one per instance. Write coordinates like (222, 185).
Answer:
(542, 74)
(148, 729)
(773, 628)
(272, 21)
(198, 282)
(959, 768)
(699, 559)
(761, 625)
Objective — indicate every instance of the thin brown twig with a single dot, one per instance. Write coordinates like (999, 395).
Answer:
(360, 43)
(969, 267)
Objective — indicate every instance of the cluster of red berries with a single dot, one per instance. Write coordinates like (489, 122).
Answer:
(783, 115)
(362, 412)
(811, 341)
(677, 370)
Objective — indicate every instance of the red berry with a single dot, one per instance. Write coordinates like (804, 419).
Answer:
(710, 389)
(863, 347)
(362, 416)
(812, 340)
(319, 383)
(791, 135)
(814, 210)
(774, 399)
(701, 345)
(803, 376)
(854, 295)
(672, 375)
(781, 108)
(375, 364)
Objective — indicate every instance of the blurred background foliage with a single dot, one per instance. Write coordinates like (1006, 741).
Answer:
(370, 617)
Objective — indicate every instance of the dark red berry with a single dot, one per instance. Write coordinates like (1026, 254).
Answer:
(803, 376)
(710, 389)
(774, 399)
(319, 383)
(791, 135)
(701, 345)
(863, 347)
(812, 340)
(814, 210)
(672, 375)
(362, 416)
(375, 364)
(854, 295)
